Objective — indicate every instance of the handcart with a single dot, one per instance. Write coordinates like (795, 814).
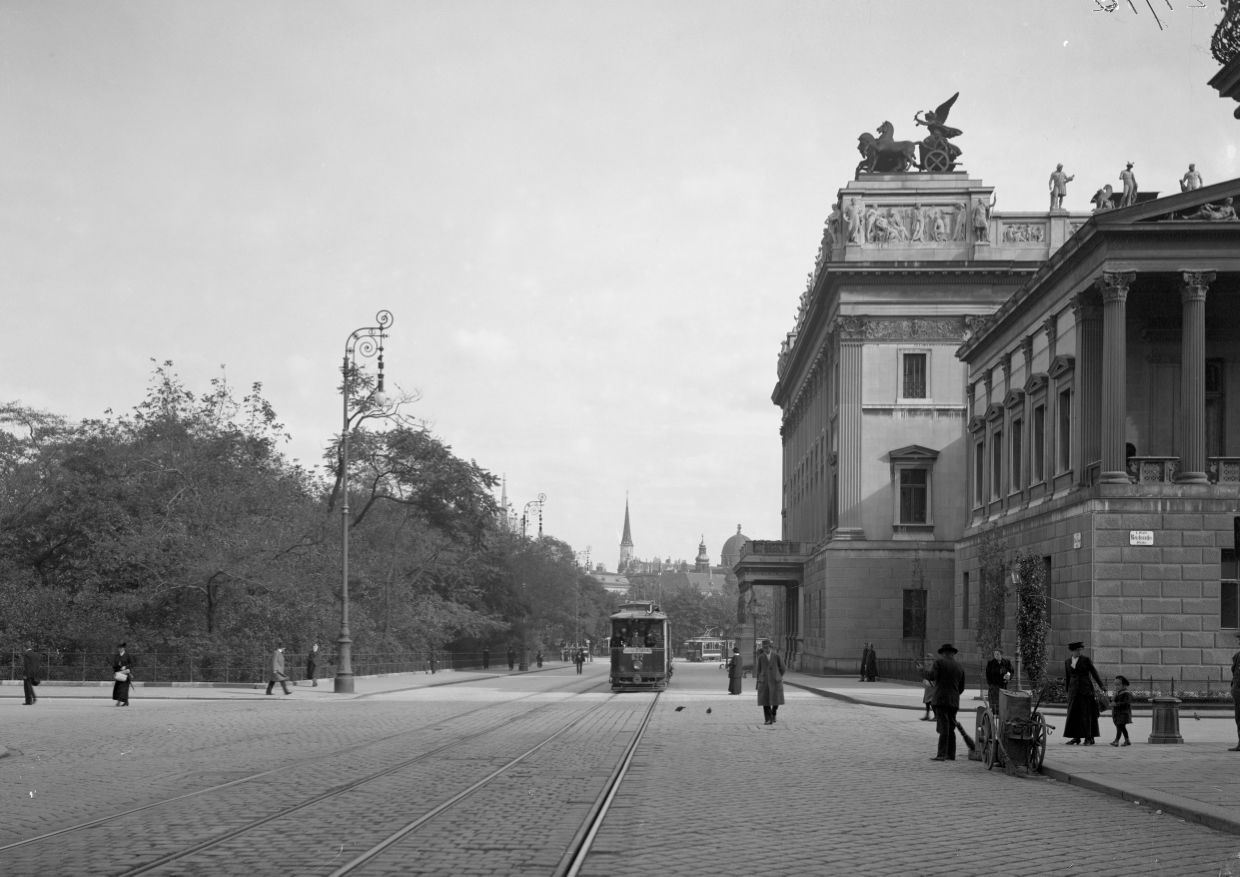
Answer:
(1015, 737)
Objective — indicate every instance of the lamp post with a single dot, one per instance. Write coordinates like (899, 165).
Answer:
(367, 342)
(525, 515)
(577, 599)
(1016, 591)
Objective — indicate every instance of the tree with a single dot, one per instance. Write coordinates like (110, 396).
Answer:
(992, 591)
(1032, 623)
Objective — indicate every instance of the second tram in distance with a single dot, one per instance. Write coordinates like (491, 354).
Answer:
(641, 657)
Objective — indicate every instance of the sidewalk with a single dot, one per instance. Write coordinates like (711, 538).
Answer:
(1198, 780)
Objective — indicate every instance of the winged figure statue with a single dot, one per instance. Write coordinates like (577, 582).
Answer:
(938, 153)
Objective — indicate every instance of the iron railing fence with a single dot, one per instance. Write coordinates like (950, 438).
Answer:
(154, 667)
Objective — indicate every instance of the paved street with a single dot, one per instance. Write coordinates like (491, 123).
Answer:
(834, 788)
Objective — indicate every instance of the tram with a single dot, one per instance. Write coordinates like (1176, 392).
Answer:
(707, 648)
(641, 658)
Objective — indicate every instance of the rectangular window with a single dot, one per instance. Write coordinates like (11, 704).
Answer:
(964, 622)
(996, 468)
(913, 490)
(1065, 431)
(979, 472)
(1229, 605)
(1017, 453)
(914, 613)
(1038, 461)
(914, 384)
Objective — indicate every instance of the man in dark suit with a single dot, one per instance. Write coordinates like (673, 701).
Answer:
(998, 672)
(30, 674)
(948, 679)
(512, 657)
(486, 659)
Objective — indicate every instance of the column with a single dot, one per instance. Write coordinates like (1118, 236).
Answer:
(1087, 308)
(1114, 288)
(852, 335)
(1026, 472)
(1193, 287)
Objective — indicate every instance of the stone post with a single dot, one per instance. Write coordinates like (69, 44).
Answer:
(1114, 288)
(1193, 288)
(852, 335)
(1087, 308)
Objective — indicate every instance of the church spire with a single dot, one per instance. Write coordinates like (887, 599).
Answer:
(626, 541)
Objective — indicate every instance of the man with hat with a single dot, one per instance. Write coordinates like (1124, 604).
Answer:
(948, 679)
(770, 675)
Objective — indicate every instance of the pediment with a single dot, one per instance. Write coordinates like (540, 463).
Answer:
(914, 454)
(1036, 382)
(1014, 399)
(1218, 203)
(976, 424)
(1061, 366)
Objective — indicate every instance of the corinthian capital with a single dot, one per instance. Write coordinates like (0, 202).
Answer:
(1114, 285)
(851, 328)
(1087, 305)
(1195, 284)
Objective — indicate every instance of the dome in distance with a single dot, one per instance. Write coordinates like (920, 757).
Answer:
(732, 548)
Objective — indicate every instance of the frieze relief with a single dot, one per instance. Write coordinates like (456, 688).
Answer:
(925, 329)
(906, 225)
(1024, 233)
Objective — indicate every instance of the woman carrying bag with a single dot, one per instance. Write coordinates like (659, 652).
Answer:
(122, 674)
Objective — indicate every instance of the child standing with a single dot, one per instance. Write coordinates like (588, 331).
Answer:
(1121, 711)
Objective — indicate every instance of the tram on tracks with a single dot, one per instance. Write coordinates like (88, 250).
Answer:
(707, 649)
(641, 654)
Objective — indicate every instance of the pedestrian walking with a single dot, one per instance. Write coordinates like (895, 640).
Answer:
(1235, 695)
(948, 679)
(871, 665)
(122, 675)
(998, 672)
(30, 674)
(770, 675)
(538, 658)
(865, 660)
(486, 659)
(512, 658)
(579, 658)
(432, 659)
(1079, 678)
(734, 672)
(928, 695)
(312, 665)
(1121, 710)
(277, 671)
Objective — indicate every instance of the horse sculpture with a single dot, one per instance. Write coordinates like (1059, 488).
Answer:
(884, 154)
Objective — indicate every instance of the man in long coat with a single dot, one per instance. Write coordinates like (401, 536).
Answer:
(312, 665)
(277, 671)
(30, 674)
(998, 672)
(770, 675)
(871, 664)
(948, 679)
(734, 671)
(579, 658)
(512, 658)
(486, 659)
(1079, 678)
(865, 659)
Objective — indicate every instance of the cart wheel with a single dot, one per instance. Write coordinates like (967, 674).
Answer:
(1037, 751)
(986, 740)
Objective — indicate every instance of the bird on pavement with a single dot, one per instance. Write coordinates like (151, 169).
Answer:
(708, 711)
(679, 708)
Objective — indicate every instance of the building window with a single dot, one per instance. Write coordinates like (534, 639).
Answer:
(1017, 454)
(914, 613)
(979, 473)
(1229, 616)
(1064, 437)
(964, 622)
(914, 484)
(1037, 463)
(996, 468)
(913, 384)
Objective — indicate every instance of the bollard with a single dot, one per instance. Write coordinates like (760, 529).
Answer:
(1166, 726)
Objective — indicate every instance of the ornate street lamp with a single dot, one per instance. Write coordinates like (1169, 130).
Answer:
(525, 515)
(366, 342)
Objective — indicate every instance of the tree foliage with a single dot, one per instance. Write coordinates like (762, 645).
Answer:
(1032, 621)
(992, 591)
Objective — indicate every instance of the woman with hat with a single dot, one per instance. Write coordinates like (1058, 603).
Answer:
(1079, 678)
(122, 675)
(948, 679)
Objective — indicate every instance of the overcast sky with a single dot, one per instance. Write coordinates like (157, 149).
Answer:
(592, 221)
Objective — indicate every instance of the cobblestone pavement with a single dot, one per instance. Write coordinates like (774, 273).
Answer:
(836, 788)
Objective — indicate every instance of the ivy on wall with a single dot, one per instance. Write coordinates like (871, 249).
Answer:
(992, 591)
(1032, 623)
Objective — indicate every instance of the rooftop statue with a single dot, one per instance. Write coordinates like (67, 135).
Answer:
(1103, 199)
(1059, 187)
(884, 154)
(1191, 180)
(1130, 187)
(938, 153)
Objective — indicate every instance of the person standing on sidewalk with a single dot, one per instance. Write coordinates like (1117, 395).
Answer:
(538, 658)
(928, 695)
(948, 679)
(871, 665)
(486, 659)
(1079, 678)
(512, 658)
(277, 671)
(770, 674)
(312, 665)
(30, 674)
(579, 658)
(998, 672)
(865, 660)
(122, 674)
(734, 672)
(1235, 694)
(1121, 710)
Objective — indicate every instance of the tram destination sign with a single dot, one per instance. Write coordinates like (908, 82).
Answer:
(631, 650)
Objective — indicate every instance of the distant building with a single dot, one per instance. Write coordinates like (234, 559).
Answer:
(613, 583)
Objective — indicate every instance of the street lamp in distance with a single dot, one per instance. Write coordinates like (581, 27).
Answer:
(367, 342)
(525, 515)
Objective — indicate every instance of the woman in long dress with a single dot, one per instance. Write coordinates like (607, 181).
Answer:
(1079, 678)
(734, 672)
(121, 663)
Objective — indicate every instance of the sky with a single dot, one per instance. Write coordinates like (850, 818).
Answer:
(591, 221)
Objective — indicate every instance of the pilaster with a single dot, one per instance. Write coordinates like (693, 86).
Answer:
(1193, 288)
(852, 336)
(1114, 288)
(1087, 309)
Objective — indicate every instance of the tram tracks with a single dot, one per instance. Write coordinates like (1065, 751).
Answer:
(151, 809)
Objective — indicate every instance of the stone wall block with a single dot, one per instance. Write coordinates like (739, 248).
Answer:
(1218, 522)
(1142, 656)
(1211, 590)
(1142, 589)
(1181, 522)
(1220, 657)
(1181, 656)
(1224, 639)
(1182, 589)
(1160, 572)
(1116, 589)
(1201, 538)
(1141, 522)
(1106, 656)
(1107, 522)
(1159, 605)
(1197, 640)
(1142, 554)
(1141, 622)
(1115, 639)
(1112, 554)
(1109, 622)
(1104, 571)
(1160, 640)
(1201, 572)
(1181, 555)
(1123, 604)
(1181, 622)
(1108, 538)
(1200, 607)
